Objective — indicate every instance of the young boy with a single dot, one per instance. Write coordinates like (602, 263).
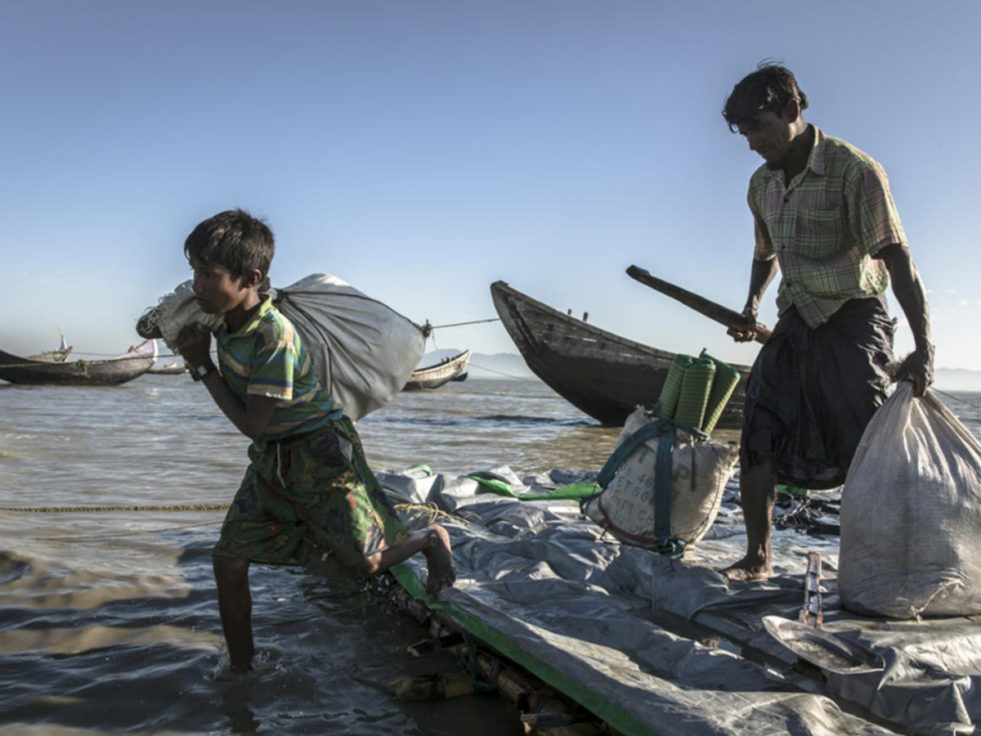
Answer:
(308, 485)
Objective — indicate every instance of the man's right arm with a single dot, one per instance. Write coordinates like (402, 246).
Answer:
(911, 294)
(761, 274)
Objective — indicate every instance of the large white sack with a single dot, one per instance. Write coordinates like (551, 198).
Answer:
(911, 513)
(363, 351)
(699, 471)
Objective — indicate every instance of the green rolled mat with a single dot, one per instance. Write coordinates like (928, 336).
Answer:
(726, 379)
(695, 389)
(667, 402)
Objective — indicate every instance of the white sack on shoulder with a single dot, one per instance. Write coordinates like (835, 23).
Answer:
(363, 351)
(911, 513)
(176, 309)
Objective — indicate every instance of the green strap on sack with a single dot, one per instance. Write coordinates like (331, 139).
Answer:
(692, 398)
(625, 449)
(666, 544)
(666, 430)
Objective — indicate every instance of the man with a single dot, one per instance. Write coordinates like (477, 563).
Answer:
(824, 216)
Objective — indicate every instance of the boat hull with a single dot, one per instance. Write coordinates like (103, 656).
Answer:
(451, 369)
(113, 371)
(600, 373)
(174, 369)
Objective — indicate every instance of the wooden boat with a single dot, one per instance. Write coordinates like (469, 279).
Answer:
(170, 369)
(600, 373)
(120, 369)
(58, 355)
(449, 369)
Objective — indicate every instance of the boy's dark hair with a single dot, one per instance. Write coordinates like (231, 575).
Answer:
(770, 87)
(233, 239)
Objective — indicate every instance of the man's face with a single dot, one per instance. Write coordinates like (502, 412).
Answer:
(769, 134)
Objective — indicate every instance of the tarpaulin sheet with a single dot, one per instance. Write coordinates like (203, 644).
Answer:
(655, 646)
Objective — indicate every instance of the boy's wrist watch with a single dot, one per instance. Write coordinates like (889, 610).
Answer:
(202, 369)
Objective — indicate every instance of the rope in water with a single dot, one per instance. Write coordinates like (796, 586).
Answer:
(131, 533)
(102, 509)
(957, 398)
(433, 512)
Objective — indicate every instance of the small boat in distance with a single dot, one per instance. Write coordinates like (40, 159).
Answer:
(600, 373)
(170, 369)
(108, 372)
(56, 355)
(449, 369)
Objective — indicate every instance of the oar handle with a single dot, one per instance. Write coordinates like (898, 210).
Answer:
(721, 314)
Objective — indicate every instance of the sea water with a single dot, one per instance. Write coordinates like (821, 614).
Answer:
(108, 618)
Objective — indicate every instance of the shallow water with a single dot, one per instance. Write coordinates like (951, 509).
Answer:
(108, 621)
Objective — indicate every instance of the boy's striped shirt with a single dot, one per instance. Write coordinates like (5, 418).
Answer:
(267, 357)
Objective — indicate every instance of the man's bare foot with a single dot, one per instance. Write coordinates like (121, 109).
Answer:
(439, 560)
(748, 569)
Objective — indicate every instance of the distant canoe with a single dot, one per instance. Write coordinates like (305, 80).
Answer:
(171, 369)
(110, 371)
(450, 369)
(58, 355)
(600, 373)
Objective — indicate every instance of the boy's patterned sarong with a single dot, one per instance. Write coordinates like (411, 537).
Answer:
(310, 492)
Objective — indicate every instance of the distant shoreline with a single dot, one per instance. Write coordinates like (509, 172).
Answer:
(512, 366)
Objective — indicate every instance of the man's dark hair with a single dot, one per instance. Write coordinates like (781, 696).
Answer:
(770, 87)
(233, 239)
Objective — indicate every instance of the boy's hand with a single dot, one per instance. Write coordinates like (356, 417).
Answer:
(194, 343)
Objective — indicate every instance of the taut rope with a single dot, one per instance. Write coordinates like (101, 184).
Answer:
(98, 509)
(463, 324)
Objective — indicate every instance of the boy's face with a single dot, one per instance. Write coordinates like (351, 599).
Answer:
(217, 291)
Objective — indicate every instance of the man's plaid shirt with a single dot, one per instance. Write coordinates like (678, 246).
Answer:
(824, 227)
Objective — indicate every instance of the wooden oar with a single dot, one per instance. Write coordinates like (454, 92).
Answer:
(728, 317)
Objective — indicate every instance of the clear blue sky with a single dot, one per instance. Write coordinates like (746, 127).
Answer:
(422, 150)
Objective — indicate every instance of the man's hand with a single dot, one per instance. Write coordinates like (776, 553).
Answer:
(761, 274)
(747, 333)
(917, 368)
(194, 343)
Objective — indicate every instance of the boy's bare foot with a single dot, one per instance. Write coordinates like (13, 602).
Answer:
(227, 672)
(748, 569)
(439, 560)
